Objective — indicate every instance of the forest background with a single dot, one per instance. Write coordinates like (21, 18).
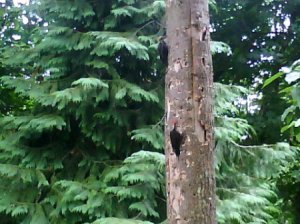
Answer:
(82, 105)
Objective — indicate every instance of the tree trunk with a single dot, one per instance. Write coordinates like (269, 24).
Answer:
(189, 83)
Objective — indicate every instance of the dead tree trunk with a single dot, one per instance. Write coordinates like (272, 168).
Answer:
(189, 84)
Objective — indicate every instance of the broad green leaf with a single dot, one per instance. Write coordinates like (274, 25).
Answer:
(272, 79)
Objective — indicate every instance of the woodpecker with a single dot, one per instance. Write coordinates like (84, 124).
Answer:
(163, 50)
(176, 139)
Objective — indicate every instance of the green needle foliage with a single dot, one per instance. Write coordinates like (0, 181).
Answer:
(95, 94)
(245, 175)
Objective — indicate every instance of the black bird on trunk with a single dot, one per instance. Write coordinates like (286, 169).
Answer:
(176, 139)
(163, 50)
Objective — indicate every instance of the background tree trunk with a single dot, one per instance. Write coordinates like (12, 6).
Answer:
(189, 83)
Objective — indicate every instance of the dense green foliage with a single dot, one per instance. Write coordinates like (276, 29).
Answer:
(264, 36)
(11, 28)
(82, 91)
(92, 86)
(289, 181)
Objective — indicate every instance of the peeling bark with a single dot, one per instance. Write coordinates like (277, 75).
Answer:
(190, 179)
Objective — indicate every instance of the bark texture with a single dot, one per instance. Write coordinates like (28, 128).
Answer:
(189, 84)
